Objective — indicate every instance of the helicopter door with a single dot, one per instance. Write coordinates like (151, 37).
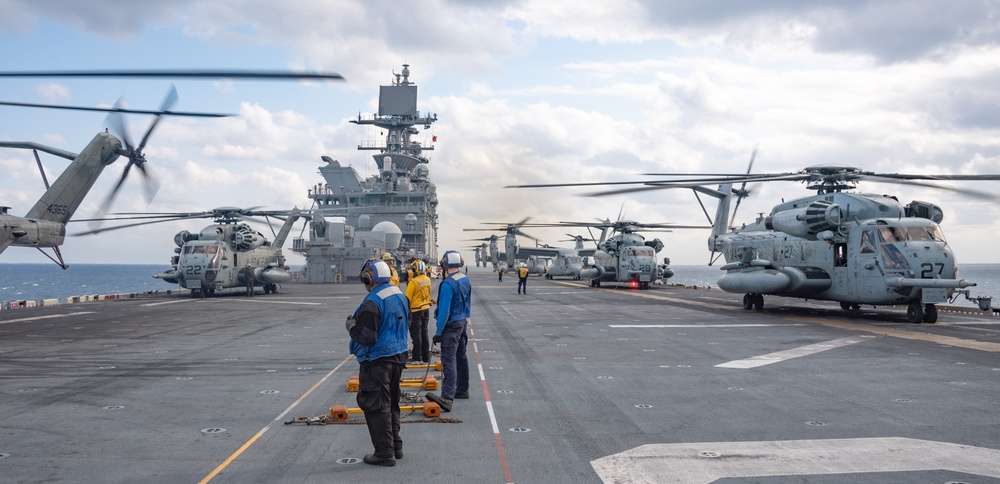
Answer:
(869, 279)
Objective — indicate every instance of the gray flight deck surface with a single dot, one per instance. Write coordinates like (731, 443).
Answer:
(584, 385)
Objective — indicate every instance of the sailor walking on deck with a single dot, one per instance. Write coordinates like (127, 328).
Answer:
(378, 331)
(418, 292)
(454, 306)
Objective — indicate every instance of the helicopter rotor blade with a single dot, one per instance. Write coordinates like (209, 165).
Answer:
(743, 193)
(989, 196)
(135, 224)
(185, 74)
(116, 110)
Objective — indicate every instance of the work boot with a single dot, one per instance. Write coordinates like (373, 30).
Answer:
(375, 460)
(444, 403)
(462, 395)
(398, 453)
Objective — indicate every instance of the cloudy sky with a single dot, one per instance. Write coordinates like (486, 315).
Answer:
(525, 92)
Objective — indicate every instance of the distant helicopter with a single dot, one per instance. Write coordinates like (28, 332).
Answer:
(849, 247)
(563, 262)
(226, 254)
(512, 230)
(44, 226)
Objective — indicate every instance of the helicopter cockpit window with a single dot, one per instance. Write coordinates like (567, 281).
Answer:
(935, 233)
(893, 258)
(868, 242)
(198, 249)
(892, 234)
(187, 249)
(212, 249)
(918, 233)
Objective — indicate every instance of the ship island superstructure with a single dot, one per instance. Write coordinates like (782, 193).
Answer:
(395, 211)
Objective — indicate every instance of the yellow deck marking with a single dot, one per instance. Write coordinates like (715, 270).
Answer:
(267, 427)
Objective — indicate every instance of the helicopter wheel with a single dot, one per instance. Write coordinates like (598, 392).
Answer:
(845, 306)
(748, 301)
(758, 302)
(211, 292)
(194, 293)
(202, 293)
(915, 312)
(267, 289)
(930, 313)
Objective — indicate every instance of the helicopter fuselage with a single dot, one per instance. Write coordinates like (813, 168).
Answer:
(851, 248)
(623, 258)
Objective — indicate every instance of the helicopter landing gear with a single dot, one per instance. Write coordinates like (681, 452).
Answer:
(270, 288)
(930, 313)
(850, 307)
(753, 301)
(915, 312)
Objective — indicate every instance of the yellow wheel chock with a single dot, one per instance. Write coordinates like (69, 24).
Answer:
(423, 366)
(430, 409)
(427, 382)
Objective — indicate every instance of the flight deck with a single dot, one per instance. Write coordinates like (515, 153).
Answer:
(569, 384)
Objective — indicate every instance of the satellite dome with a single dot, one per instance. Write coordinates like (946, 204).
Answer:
(393, 236)
(364, 222)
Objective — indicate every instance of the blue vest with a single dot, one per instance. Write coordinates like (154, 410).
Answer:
(393, 327)
(461, 296)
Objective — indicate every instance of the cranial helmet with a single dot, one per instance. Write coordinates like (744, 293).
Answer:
(452, 259)
(419, 267)
(375, 272)
(387, 257)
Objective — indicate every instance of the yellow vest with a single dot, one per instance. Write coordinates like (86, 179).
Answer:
(418, 291)
(522, 272)
(394, 279)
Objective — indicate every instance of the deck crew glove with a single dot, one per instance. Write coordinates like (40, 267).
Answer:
(350, 323)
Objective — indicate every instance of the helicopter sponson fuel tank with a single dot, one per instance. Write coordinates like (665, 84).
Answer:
(272, 274)
(761, 278)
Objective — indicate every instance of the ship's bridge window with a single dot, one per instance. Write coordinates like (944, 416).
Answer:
(868, 242)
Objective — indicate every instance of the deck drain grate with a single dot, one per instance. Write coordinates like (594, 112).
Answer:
(348, 460)
(114, 407)
(520, 429)
(214, 430)
(708, 454)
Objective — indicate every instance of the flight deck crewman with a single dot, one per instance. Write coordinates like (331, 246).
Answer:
(387, 258)
(378, 339)
(454, 306)
(418, 292)
(522, 278)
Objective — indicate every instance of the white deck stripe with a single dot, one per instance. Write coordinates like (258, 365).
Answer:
(493, 418)
(769, 358)
(45, 317)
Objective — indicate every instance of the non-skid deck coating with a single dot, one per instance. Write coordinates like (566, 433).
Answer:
(569, 384)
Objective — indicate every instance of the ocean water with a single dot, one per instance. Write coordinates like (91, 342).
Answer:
(47, 281)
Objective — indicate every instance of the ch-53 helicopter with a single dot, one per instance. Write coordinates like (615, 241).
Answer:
(849, 247)
(44, 226)
(512, 230)
(227, 254)
(625, 256)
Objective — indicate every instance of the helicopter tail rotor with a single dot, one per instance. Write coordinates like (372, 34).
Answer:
(134, 152)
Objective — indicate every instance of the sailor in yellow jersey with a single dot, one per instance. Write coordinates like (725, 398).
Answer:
(418, 292)
(387, 258)
(522, 278)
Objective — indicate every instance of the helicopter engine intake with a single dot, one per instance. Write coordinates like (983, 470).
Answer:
(245, 239)
(807, 222)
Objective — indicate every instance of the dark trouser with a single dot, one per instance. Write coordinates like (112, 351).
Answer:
(378, 398)
(501, 276)
(455, 365)
(418, 333)
(522, 282)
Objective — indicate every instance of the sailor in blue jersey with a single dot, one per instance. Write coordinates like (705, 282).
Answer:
(454, 303)
(378, 329)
